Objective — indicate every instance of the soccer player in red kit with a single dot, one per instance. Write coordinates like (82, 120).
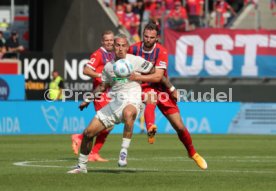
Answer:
(154, 52)
(93, 69)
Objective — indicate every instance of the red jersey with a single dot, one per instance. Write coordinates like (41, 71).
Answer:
(182, 13)
(158, 56)
(194, 6)
(97, 61)
(128, 20)
(169, 4)
(222, 7)
(121, 16)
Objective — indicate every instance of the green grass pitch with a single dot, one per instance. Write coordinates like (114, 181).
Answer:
(235, 162)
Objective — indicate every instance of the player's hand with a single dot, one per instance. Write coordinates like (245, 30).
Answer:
(134, 77)
(83, 105)
(174, 95)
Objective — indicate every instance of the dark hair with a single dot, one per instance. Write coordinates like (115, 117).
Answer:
(14, 33)
(152, 26)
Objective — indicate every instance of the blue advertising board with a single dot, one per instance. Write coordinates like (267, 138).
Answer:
(41, 117)
(12, 87)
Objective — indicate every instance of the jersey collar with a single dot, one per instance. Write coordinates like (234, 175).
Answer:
(104, 49)
(150, 51)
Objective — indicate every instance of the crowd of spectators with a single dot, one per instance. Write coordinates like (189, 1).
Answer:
(175, 14)
(10, 47)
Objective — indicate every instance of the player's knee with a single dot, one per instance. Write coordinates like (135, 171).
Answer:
(129, 116)
(179, 127)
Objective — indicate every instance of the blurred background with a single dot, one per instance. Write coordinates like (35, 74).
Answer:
(216, 48)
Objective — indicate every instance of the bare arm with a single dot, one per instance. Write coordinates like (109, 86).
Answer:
(91, 73)
(166, 82)
(100, 88)
(154, 77)
(232, 10)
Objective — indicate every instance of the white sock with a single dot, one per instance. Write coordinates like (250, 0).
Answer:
(126, 143)
(83, 159)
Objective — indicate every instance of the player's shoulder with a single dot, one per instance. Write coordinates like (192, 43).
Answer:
(137, 44)
(108, 67)
(130, 57)
(96, 53)
(161, 48)
(109, 64)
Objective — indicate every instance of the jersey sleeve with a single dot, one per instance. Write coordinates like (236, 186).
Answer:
(106, 78)
(162, 60)
(141, 65)
(94, 61)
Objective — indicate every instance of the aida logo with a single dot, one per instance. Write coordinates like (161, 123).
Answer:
(4, 90)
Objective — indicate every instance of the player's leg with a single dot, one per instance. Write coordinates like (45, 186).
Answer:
(129, 116)
(89, 133)
(182, 132)
(149, 114)
(94, 155)
(76, 142)
(185, 137)
(142, 120)
(168, 106)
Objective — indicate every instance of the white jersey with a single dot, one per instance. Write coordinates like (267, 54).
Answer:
(123, 86)
(123, 91)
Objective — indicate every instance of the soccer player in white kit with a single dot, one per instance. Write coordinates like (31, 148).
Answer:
(124, 106)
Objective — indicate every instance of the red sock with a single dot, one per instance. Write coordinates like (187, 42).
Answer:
(100, 140)
(186, 139)
(149, 115)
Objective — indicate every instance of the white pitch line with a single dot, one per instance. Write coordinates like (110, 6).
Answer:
(254, 159)
(29, 164)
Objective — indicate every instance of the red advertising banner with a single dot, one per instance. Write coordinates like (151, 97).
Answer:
(222, 52)
(10, 66)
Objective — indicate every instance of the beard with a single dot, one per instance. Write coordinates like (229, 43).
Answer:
(148, 45)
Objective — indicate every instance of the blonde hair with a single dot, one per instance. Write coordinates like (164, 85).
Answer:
(107, 32)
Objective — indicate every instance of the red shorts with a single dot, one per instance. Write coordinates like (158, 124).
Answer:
(166, 104)
(101, 102)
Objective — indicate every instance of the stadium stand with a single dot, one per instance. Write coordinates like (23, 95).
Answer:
(255, 16)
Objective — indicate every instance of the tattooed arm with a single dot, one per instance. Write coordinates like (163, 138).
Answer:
(166, 82)
(99, 89)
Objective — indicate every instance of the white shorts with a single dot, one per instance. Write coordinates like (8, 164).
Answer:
(112, 113)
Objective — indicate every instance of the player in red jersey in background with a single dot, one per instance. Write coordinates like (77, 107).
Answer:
(93, 69)
(154, 52)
